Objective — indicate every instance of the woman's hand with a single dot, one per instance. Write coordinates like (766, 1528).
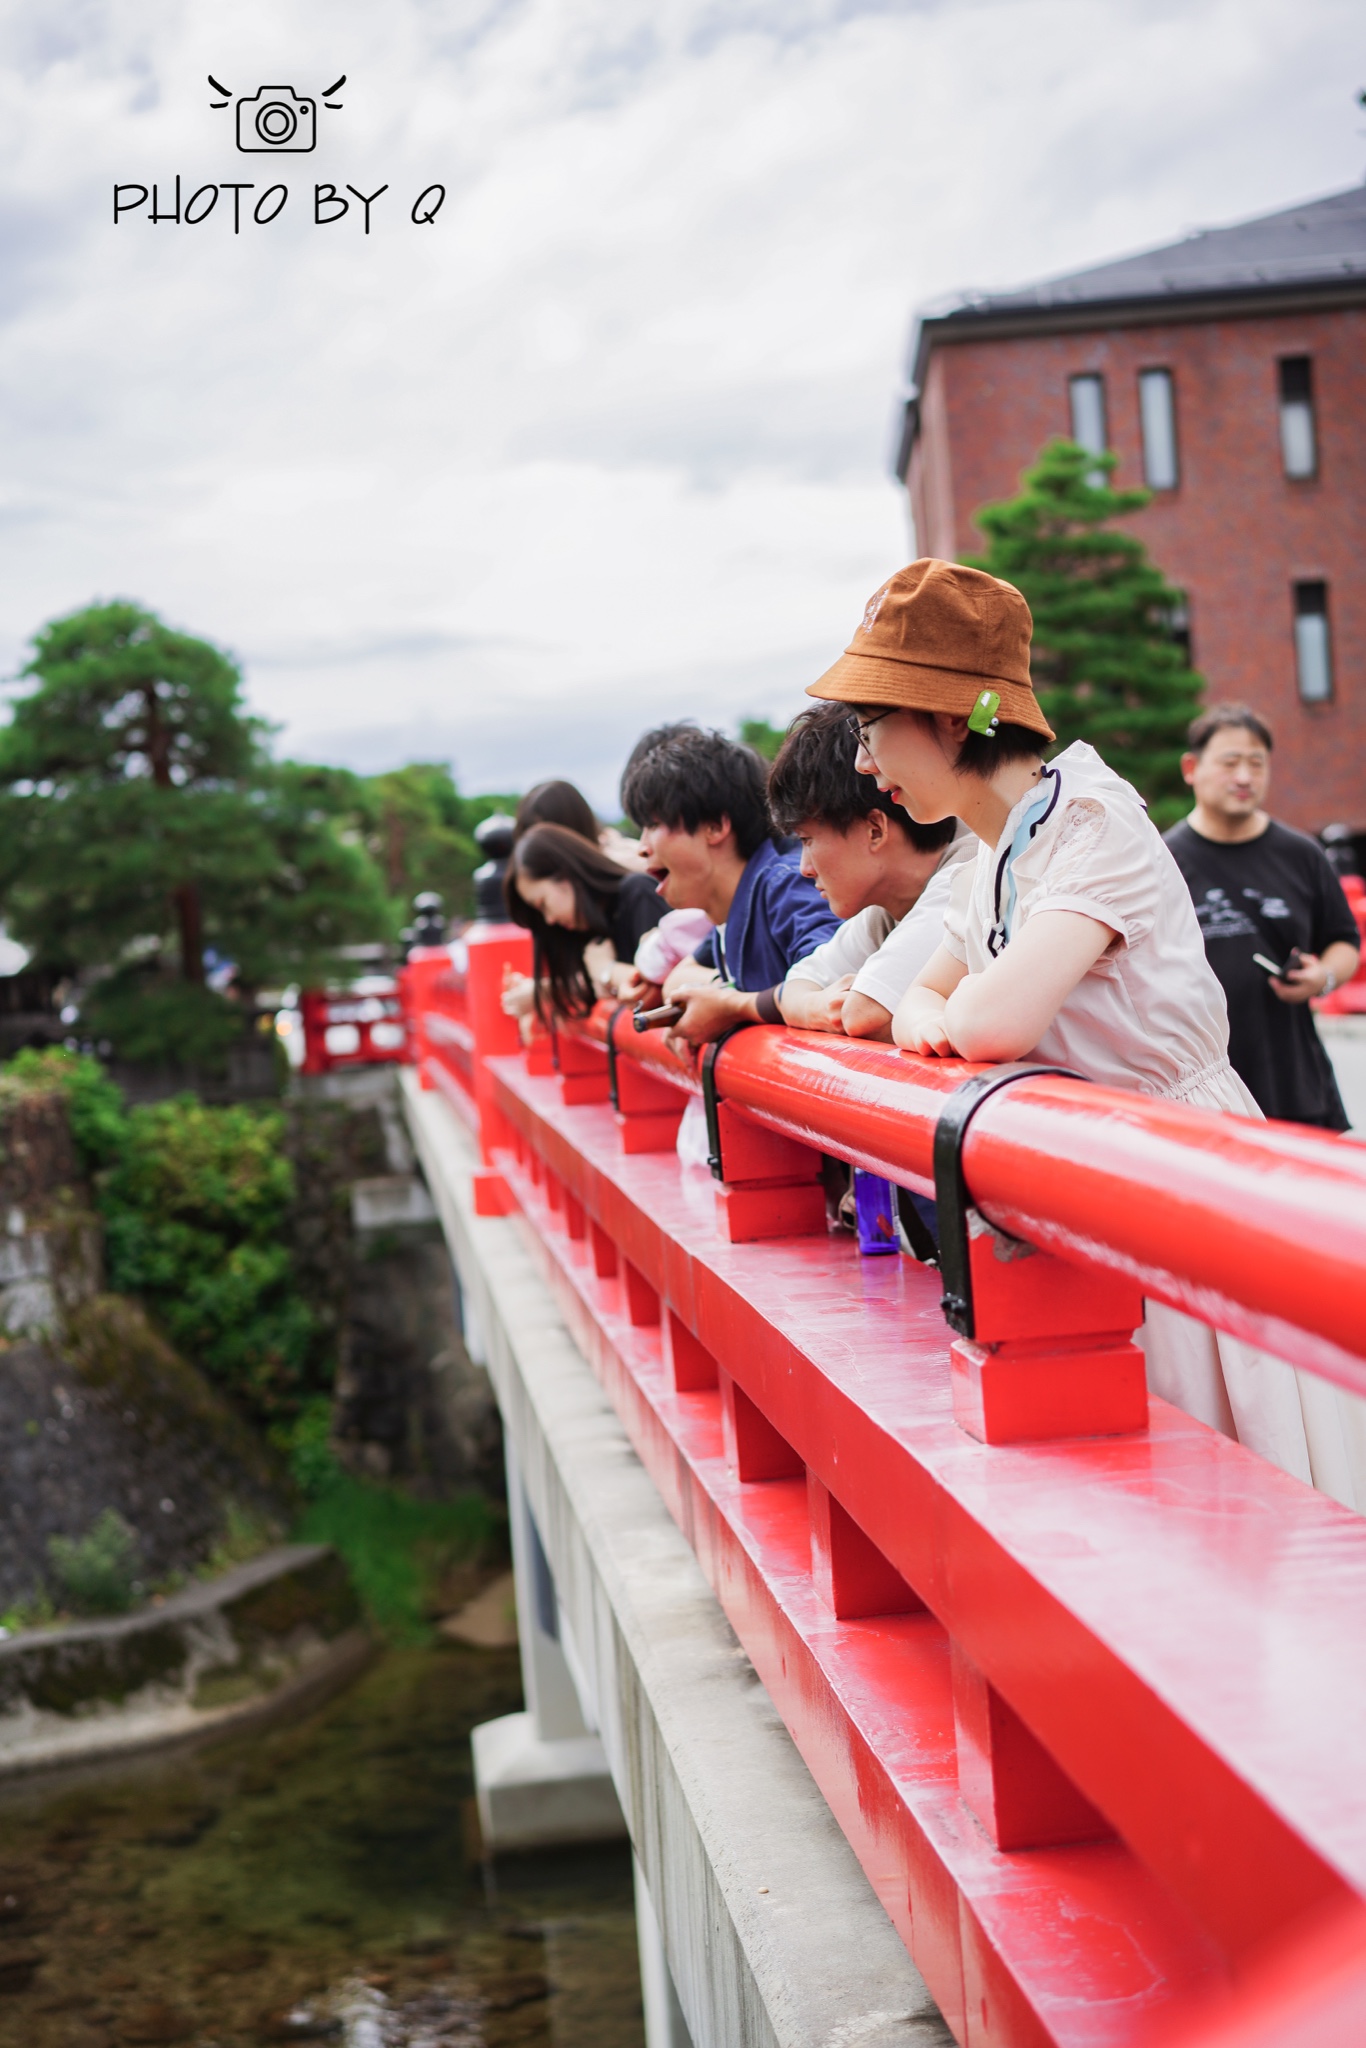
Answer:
(634, 988)
(519, 993)
(919, 1024)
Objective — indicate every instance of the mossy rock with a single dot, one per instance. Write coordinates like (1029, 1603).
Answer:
(114, 1348)
(69, 1676)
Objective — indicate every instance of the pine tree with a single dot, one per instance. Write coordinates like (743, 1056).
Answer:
(1107, 665)
(141, 817)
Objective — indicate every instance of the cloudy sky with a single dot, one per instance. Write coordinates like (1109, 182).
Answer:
(607, 440)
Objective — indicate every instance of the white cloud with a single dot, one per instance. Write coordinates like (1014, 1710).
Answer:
(607, 441)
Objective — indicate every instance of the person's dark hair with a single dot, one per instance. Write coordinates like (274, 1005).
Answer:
(813, 778)
(684, 777)
(555, 853)
(978, 755)
(558, 803)
(1225, 718)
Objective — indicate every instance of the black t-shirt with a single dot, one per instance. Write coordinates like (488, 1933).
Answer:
(637, 909)
(1265, 896)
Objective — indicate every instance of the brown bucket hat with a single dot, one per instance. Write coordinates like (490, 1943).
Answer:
(932, 639)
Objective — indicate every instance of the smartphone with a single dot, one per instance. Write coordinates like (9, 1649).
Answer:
(1293, 960)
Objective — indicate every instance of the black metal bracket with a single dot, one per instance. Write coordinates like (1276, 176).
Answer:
(612, 1054)
(708, 1072)
(950, 1188)
(921, 1239)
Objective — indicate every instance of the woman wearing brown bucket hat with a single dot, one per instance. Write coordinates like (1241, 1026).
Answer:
(1071, 938)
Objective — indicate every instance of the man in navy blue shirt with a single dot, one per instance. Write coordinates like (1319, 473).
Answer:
(709, 843)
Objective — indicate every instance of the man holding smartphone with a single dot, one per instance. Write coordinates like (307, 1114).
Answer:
(1278, 930)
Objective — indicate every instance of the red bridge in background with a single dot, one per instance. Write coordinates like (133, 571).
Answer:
(1083, 1682)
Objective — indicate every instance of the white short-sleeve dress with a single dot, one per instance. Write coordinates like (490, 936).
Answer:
(1150, 1015)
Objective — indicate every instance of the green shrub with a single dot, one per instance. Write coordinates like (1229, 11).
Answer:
(97, 1572)
(307, 1443)
(99, 1122)
(197, 1211)
(398, 1549)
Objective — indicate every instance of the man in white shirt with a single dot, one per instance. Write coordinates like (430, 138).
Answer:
(888, 877)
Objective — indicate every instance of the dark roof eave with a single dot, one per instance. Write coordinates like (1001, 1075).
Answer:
(1151, 309)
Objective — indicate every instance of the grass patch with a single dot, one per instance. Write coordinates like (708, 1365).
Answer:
(246, 1534)
(398, 1549)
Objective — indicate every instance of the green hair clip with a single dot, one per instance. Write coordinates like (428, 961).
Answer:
(982, 717)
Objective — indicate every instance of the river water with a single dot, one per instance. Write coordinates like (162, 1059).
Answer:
(310, 1881)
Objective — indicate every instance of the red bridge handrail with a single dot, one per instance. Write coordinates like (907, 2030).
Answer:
(1085, 1695)
(1259, 1229)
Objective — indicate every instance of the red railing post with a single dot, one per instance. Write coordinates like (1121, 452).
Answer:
(492, 949)
(648, 1111)
(1051, 1352)
(770, 1184)
(583, 1069)
(1043, 1350)
(416, 979)
(770, 1187)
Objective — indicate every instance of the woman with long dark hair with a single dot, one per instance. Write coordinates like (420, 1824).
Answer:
(560, 803)
(586, 917)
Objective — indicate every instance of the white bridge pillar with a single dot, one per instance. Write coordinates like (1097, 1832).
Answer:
(541, 1777)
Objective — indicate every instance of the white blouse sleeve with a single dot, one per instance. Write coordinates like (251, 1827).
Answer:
(1103, 864)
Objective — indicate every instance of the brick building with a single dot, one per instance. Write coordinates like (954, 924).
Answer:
(1227, 372)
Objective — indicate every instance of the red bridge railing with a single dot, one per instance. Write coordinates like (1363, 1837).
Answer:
(1083, 1681)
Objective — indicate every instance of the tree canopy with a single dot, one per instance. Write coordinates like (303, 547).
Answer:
(140, 813)
(762, 736)
(417, 828)
(1108, 664)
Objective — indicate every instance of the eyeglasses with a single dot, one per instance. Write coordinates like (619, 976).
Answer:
(861, 727)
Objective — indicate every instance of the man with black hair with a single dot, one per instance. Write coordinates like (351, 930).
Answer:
(886, 876)
(1277, 927)
(699, 801)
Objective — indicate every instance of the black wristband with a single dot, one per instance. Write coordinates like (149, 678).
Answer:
(766, 1003)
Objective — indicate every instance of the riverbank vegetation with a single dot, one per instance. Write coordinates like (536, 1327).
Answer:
(210, 1346)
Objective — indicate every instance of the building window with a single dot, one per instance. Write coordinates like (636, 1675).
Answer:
(1299, 447)
(1313, 653)
(1087, 399)
(1157, 416)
